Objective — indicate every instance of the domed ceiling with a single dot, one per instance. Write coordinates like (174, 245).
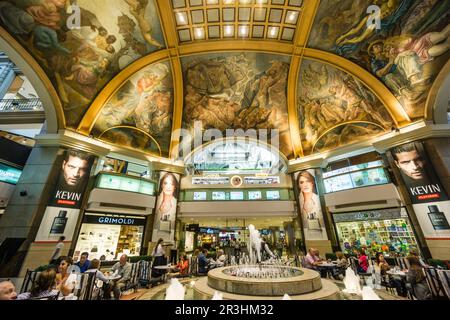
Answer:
(322, 73)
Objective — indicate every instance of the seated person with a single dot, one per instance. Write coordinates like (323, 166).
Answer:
(182, 267)
(416, 278)
(363, 262)
(7, 291)
(311, 259)
(83, 264)
(94, 267)
(341, 266)
(381, 267)
(123, 269)
(64, 282)
(43, 287)
(203, 262)
(221, 258)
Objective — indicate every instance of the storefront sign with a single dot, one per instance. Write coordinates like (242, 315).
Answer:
(385, 214)
(9, 174)
(418, 173)
(133, 221)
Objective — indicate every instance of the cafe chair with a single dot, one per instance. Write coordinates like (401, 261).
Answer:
(86, 287)
(444, 277)
(50, 297)
(434, 283)
(30, 278)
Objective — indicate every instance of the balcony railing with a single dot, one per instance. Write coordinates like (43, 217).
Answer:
(12, 105)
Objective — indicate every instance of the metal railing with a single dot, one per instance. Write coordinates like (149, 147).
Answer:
(12, 105)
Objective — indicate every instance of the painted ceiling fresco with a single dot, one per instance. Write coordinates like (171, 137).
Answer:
(80, 61)
(329, 98)
(226, 88)
(237, 91)
(406, 53)
(139, 115)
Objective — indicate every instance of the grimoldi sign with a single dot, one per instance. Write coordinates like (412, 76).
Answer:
(117, 220)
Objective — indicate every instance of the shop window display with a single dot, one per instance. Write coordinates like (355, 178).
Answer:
(392, 236)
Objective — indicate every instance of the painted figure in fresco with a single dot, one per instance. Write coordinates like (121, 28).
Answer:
(411, 54)
(18, 21)
(390, 12)
(137, 9)
(385, 68)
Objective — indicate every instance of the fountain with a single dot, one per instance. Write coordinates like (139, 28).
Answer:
(175, 291)
(252, 278)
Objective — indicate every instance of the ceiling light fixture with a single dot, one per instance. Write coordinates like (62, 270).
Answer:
(243, 31)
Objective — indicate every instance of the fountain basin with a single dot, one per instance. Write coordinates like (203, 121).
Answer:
(302, 281)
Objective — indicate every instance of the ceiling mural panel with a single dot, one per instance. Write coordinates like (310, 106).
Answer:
(330, 98)
(406, 53)
(80, 61)
(237, 91)
(139, 115)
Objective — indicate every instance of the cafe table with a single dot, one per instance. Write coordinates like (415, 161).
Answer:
(166, 268)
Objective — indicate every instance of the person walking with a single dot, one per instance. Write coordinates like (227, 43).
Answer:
(58, 251)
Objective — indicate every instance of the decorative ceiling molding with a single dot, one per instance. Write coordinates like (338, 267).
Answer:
(54, 113)
(437, 104)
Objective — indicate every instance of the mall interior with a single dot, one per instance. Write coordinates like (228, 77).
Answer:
(325, 124)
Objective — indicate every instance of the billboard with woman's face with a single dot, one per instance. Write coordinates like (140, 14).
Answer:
(310, 208)
(166, 207)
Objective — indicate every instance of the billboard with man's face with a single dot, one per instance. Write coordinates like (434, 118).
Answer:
(72, 180)
(418, 173)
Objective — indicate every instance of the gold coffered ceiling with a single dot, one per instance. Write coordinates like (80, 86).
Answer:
(312, 68)
(236, 19)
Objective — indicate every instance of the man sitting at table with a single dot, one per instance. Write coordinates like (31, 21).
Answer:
(203, 262)
(84, 263)
(313, 261)
(94, 267)
(123, 269)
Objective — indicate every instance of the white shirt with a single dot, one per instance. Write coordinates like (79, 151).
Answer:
(159, 251)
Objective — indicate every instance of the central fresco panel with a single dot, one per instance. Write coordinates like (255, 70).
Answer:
(406, 53)
(336, 109)
(237, 91)
(82, 59)
(139, 115)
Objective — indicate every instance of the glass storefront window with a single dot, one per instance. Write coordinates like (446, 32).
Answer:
(391, 236)
(361, 175)
(125, 183)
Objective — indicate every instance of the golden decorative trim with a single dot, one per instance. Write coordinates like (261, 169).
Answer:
(91, 116)
(393, 106)
(40, 73)
(294, 125)
(344, 124)
(132, 128)
(430, 104)
(307, 18)
(271, 47)
(178, 104)
(167, 23)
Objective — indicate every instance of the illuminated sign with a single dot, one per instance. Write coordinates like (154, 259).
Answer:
(9, 174)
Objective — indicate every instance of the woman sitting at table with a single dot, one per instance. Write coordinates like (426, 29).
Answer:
(221, 258)
(94, 267)
(182, 267)
(64, 282)
(363, 262)
(43, 287)
(416, 278)
(341, 266)
(381, 269)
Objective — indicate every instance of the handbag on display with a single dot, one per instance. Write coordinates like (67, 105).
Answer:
(164, 225)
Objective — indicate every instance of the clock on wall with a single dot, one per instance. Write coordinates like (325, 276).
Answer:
(236, 181)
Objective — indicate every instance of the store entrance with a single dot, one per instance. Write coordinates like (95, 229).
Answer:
(232, 233)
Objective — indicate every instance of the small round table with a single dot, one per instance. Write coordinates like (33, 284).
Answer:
(166, 268)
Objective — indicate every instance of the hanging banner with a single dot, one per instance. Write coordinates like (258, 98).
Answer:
(434, 218)
(310, 208)
(166, 207)
(61, 215)
(418, 173)
(72, 180)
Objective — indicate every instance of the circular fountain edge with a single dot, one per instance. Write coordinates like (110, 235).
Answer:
(309, 281)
